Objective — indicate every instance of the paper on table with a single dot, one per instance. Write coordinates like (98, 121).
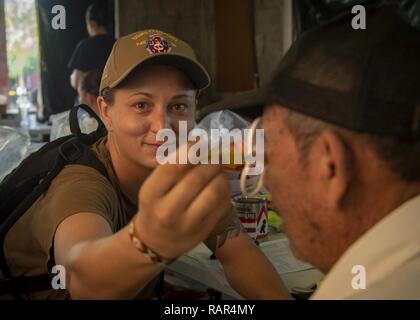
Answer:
(280, 255)
(277, 251)
(202, 255)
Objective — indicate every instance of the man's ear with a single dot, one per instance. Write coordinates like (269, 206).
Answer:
(335, 167)
(92, 24)
(104, 112)
(89, 27)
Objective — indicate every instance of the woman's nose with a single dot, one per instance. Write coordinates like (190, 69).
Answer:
(158, 120)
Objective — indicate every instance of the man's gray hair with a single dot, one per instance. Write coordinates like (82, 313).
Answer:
(402, 156)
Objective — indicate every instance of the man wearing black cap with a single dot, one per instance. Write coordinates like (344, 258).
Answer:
(343, 155)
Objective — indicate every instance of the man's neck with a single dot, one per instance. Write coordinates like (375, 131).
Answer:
(387, 199)
(98, 32)
(381, 200)
(130, 175)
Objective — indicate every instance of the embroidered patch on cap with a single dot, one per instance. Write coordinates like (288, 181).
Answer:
(157, 44)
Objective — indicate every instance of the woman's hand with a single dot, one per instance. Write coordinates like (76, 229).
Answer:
(179, 205)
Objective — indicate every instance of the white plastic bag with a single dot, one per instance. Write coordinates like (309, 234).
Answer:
(226, 119)
(223, 119)
(61, 126)
(13, 148)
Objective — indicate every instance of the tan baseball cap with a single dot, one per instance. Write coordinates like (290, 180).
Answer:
(152, 47)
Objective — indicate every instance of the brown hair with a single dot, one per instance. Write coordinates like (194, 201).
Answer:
(90, 82)
(108, 95)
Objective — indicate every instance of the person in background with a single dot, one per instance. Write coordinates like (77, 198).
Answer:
(88, 89)
(92, 53)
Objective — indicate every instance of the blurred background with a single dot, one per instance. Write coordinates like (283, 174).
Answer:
(240, 42)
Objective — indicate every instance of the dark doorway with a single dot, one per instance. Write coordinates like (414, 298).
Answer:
(235, 49)
(56, 48)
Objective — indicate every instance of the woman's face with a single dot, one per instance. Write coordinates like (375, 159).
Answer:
(153, 98)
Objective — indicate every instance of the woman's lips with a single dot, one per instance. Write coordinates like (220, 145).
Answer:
(153, 146)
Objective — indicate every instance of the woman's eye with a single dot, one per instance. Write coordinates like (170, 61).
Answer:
(141, 106)
(180, 107)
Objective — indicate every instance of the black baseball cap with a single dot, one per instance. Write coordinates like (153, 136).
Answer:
(365, 80)
(247, 103)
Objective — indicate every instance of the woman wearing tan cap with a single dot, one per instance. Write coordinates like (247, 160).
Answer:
(114, 236)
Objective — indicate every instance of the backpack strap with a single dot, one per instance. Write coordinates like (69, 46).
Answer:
(74, 122)
(74, 151)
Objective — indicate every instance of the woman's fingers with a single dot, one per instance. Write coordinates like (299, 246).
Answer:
(163, 179)
(191, 185)
(205, 206)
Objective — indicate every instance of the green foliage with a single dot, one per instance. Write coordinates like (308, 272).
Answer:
(21, 37)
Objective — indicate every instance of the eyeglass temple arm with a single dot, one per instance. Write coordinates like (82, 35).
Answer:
(244, 173)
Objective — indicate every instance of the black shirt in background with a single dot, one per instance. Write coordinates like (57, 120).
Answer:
(92, 53)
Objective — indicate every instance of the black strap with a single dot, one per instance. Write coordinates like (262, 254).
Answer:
(74, 151)
(74, 121)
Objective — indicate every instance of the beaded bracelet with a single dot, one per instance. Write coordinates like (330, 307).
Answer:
(140, 245)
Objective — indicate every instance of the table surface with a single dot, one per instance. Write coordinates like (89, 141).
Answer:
(35, 129)
(198, 272)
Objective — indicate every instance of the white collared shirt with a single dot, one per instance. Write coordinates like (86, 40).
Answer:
(390, 255)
